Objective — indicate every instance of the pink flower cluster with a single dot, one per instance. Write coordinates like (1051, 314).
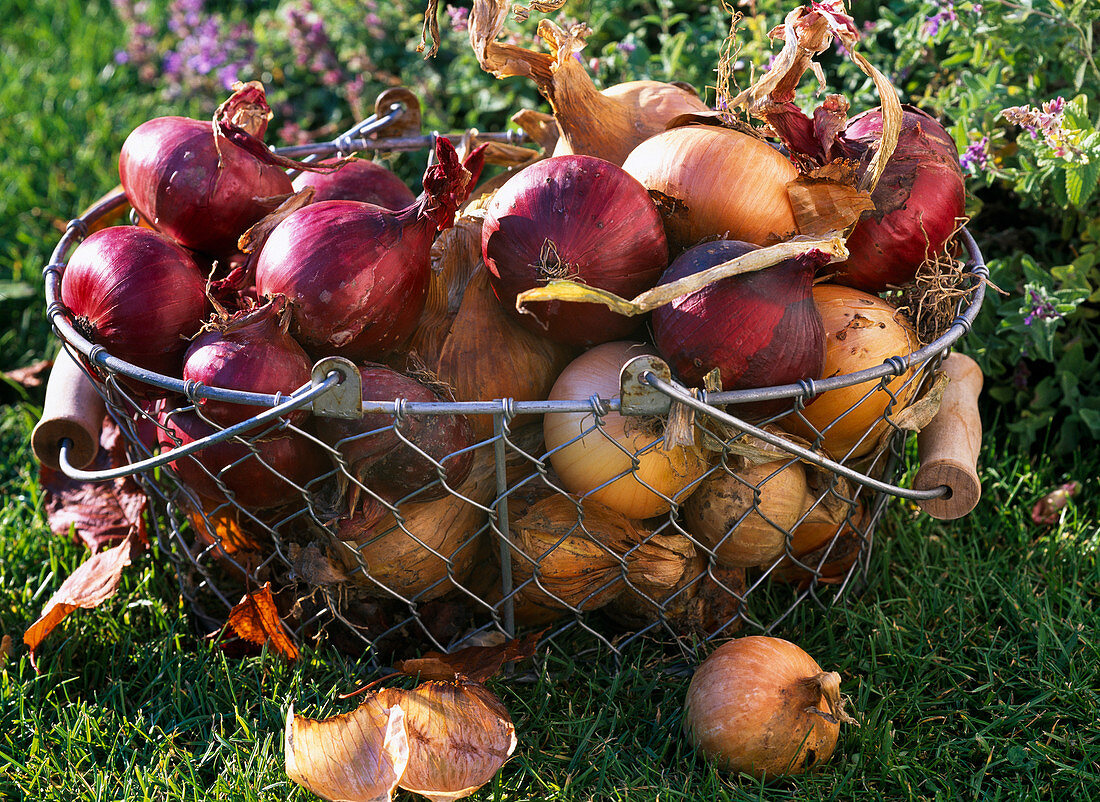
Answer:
(1047, 121)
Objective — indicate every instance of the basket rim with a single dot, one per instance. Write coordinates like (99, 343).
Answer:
(100, 356)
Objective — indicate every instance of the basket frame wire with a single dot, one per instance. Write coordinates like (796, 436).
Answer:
(199, 565)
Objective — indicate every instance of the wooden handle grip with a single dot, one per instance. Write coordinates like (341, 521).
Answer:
(73, 410)
(948, 446)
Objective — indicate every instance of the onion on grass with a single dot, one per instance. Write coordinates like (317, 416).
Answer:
(625, 462)
(861, 331)
(762, 706)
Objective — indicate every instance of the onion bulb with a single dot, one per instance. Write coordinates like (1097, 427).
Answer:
(606, 124)
(744, 513)
(762, 706)
(579, 218)
(861, 331)
(623, 463)
(712, 182)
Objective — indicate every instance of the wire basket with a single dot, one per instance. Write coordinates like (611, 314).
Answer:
(438, 572)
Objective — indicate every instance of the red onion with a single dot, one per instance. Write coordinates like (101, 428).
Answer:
(919, 201)
(575, 217)
(249, 351)
(379, 458)
(137, 293)
(204, 184)
(759, 329)
(256, 479)
(356, 274)
(359, 180)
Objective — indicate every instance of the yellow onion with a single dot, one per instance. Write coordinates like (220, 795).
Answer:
(711, 182)
(706, 601)
(606, 124)
(606, 455)
(762, 706)
(861, 331)
(743, 512)
(487, 354)
(574, 550)
(434, 547)
(827, 549)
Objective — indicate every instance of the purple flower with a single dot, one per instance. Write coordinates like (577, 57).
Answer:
(173, 63)
(976, 157)
(121, 57)
(459, 18)
(1040, 310)
(627, 47)
(945, 13)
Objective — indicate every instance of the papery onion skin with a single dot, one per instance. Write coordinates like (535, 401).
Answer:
(201, 192)
(137, 293)
(359, 180)
(759, 329)
(715, 182)
(252, 352)
(598, 458)
(575, 217)
(919, 202)
(747, 708)
(291, 460)
(379, 458)
(357, 274)
(861, 331)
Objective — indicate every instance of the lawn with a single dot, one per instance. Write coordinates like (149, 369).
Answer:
(971, 658)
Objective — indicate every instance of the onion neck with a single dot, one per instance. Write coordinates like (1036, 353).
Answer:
(827, 685)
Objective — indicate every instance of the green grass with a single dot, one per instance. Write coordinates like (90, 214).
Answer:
(971, 658)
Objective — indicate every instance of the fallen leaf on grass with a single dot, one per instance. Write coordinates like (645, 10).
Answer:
(1048, 509)
(476, 663)
(101, 513)
(255, 618)
(5, 649)
(443, 740)
(95, 581)
(30, 376)
(358, 757)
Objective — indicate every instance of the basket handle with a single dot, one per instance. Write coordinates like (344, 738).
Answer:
(948, 446)
(73, 411)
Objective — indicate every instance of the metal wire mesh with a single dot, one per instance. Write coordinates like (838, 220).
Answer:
(508, 547)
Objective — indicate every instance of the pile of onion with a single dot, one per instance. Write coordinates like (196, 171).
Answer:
(861, 331)
(625, 463)
(579, 218)
(357, 180)
(763, 707)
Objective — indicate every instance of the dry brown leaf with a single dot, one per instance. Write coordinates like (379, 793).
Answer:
(459, 737)
(221, 527)
(30, 376)
(475, 663)
(355, 757)
(822, 204)
(95, 581)
(5, 649)
(101, 513)
(255, 618)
